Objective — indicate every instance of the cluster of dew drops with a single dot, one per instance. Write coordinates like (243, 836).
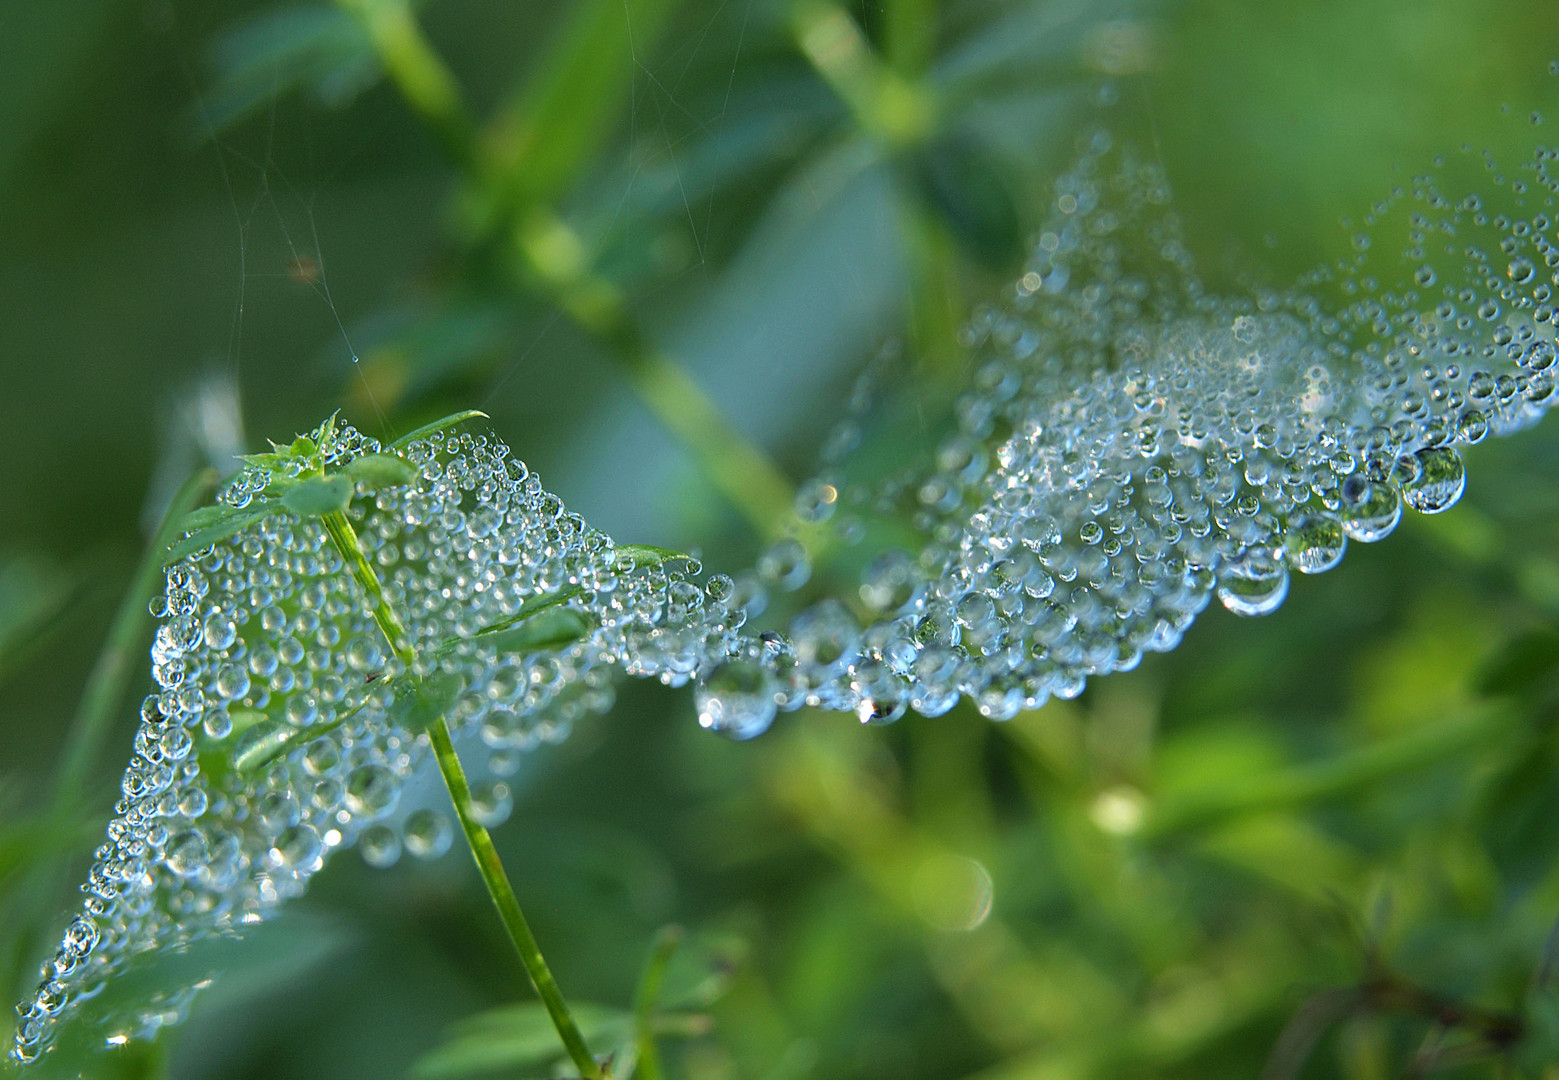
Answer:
(272, 741)
(1131, 447)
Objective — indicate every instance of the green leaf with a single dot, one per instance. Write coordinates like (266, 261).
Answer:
(262, 743)
(308, 46)
(570, 103)
(273, 459)
(323, 437)
(381, 470)
(529, 608)
(206, 516)
(1520, 663)
(214, 523)
(646, 556)
(420, 703)
(258, 740)
(319, 495)
(957, 179)
(436, 426)
(555, 628)
(517, 1036)
(700, 973)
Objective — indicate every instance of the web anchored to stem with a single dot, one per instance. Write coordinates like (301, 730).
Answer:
(1131, 447)
(481, 842)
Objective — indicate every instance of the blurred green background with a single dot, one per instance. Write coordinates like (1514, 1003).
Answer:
(1318, 844)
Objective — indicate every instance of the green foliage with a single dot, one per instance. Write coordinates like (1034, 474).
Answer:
(1323, 845)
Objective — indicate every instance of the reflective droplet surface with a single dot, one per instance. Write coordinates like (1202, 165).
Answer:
(1441, 479)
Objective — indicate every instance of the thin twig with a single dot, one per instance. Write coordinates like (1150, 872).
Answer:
(490, 867)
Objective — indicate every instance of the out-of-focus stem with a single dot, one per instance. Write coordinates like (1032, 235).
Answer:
(893, 109)
(419, 73)
(551, 255)
(647, 999)
(549, 251)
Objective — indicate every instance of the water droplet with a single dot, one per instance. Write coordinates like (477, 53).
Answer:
(491, 803)
(1314, 542)
(1370, 509)
(737, 699)
(371, 790)
(1440, 481)
(1256, 584)
(428, 834)
(380, 846)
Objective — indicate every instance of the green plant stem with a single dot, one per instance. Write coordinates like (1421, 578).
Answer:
(896, 111)
(417, 70)
(909, 34)
(551, 256)
(344, 538)
(491, 868)
(121, 651)
(647, 999)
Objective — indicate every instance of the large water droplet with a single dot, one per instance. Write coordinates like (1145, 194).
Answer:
(1440, 481)
(737, 699)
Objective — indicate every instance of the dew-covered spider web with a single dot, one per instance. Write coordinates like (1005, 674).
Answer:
(1132, 448)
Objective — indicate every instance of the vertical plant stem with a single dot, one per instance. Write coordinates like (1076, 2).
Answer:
(344, 538)
(647, 999)
(111, 673)
(419, 73)
(909, 34)
(491, 869)
(553, 258)
(550, 252)
(888, 107)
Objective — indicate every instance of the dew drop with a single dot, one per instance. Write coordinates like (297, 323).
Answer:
(1371, 509)
(736, 699)
(428, 834)
(1440, 482)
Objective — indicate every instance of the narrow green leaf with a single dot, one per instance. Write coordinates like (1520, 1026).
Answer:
(646, 1002)
(381, 470)
(528, 609)
(647, 556)
(261, 744)
(308, 46)
(554, 628)
(260, 740)
(322, 437)
(436, 426)
(420, 703)
(570, 102)
(206, 516)
(319, 495)
(516, 1036)
(270, 460)
(223, 524)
